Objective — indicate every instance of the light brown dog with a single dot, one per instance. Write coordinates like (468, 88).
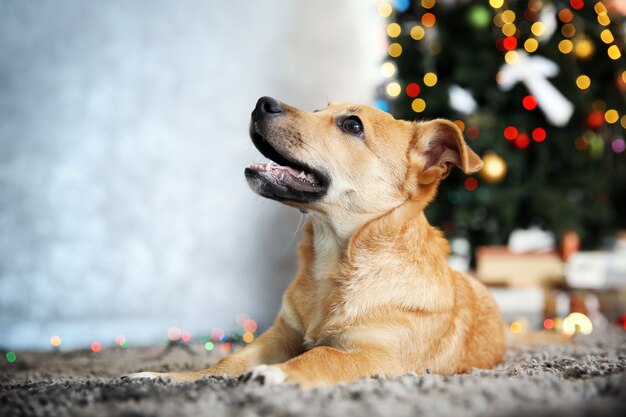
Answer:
(374, 294)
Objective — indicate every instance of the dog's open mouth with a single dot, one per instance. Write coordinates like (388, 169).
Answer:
(282, 178)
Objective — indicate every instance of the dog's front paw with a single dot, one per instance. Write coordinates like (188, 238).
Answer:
(144, 375)
(266, 374)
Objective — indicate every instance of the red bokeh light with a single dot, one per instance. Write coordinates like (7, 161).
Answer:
(548, 324)
(413, 90)
(186, 337)
(529, 102)
(509, 43)
(510, 132)
(472, 132)
(576, 4)
(539, 134)
(522, 141)
(471, 184)
(96, 347)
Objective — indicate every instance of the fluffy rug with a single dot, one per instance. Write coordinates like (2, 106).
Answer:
(588, 378)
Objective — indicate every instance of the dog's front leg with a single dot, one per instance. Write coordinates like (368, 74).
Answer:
(325, 365)
(278, 344)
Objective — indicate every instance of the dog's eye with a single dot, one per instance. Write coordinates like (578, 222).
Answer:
(352, 125)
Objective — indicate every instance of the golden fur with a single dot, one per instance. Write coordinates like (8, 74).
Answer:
(374, 294)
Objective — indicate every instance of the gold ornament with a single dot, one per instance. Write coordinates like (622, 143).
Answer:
(494, 168)
(583, 47)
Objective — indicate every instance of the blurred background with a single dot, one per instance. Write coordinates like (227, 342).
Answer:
(124, 214)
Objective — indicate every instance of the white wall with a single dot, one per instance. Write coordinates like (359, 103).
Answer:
(123, 139)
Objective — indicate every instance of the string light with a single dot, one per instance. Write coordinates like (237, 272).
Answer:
(510, 132)
(614, 52)
(511, 57)
(599, 8)
(611, 116)
(471, 184)
(413, 90)
(388, 69)
(393, 89)
(428, 19)
(537, 28)
(583, 82)
(539, 134)
(430, 79)
(418, 105)
(395, 50)
(531, 45)
(529, 102)
(577, 322)
(417, 32)
(384, 9)
(606, 36)
(565, 15)
(566, 46)
(568, 30)
(393, 30)
(604, 19)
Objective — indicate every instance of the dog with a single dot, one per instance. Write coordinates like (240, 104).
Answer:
(373, 294)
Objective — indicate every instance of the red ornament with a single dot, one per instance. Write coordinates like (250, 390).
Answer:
(510, 132)
(522, 141)
(509, 43)
(471, 184)
(539, 134)
(595, 120)
(529, 102)
(413, 90)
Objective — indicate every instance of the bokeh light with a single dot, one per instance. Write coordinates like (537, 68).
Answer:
(417, 32)
(418, 105)
(611, 116)
(95, 347)
(430, 79)
(248, 337)
(55, 341)
(539, 134)
(393, 89)
(522, 141)
(209, 346)
(393, 30)
(607, 36)
(614, 52)
(531, 45)
(384, 9)
(471, 184)
(250, 326)
(173, 333)
(413, 90)
(10, 357)
(388, 69)
(566, 46)
(529, 102)
(428, 20)
(395, 50)
(577, 322)
(583, 82)
(510, 132)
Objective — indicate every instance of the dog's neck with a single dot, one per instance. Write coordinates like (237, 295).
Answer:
(332, 236)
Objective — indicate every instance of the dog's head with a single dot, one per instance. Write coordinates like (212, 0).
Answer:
(352, 158)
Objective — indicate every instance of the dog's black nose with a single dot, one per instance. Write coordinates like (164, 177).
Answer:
(268, 106)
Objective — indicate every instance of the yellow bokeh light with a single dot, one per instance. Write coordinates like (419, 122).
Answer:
(384, 9)
(418, 105)
(583, 47)
(497, 20)
(508, 16)
(599, 8)
(460, 125)
(393, 89)
(611, 116)
(494, 168)
(509, 29)
(428, 4)
(538, 28)
(516, 327)
(248, 337)
(395, 50)
(531, 45)
(568, 30)
(577, 322)
(511, 57)
(583, 82)
(606, 36)
(430, 79)
(623, 122)
(496, 4)
(566, 46)
(393, 30)
(604, 19)
(388, 69)
(624, 76)
(55, 341)
(417, 32)
(614, 52)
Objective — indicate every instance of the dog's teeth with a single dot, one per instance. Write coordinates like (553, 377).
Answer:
(310, 178)
(302, 175)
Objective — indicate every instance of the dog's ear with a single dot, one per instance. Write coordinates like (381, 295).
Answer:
(438, 145)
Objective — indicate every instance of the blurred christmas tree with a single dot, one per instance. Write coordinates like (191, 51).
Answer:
(539, 89)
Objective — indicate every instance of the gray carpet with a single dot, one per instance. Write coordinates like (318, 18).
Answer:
(588, 378)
